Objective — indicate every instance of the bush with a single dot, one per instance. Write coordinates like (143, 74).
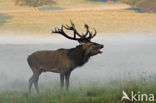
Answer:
(34, 3)
(130, 2)
(147, 6)
(143, 5)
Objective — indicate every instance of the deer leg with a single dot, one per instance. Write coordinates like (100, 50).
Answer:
(62, 80)
(36, 82)
(31, 80)
(67, 76)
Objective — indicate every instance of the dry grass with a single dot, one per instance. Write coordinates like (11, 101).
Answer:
(10, 4)
(102, 20)
(42, 22)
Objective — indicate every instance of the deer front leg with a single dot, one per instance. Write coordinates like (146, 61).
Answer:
(31, 80)
(36, 84)
(62, 80)
(67, 76)
(36, 78)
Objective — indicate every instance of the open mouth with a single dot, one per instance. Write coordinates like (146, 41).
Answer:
(100, 52)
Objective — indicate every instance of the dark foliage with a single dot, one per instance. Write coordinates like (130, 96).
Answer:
(34, 3)
(146, 5)
(142, 5)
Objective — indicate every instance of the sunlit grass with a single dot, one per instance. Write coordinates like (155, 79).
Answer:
(10, 4)
(42, 22)
(103, 20)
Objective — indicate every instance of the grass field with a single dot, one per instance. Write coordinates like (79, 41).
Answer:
(10, 5)
(110, 92)
(108, 21)
(102, 20)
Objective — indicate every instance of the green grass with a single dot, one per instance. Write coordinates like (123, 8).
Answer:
(109, 92)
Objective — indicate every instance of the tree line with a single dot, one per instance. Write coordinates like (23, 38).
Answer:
(143, 5)
(34, 3)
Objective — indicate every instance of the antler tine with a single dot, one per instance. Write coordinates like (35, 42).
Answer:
(91, 35)
(75, 31)
(72, 27)
(87, 27)
(61, 31)
(88, 32)
(54, 31)
(68, 27)
(94, 33)
(64, 34)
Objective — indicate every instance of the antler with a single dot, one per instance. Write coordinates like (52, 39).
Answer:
(61, 31)
(72, 27)
(91, 35)
(83, 37)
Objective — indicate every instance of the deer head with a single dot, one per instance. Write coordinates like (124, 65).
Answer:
(91, 48)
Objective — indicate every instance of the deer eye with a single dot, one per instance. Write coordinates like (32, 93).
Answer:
(94, 45)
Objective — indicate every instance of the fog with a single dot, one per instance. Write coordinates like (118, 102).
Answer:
(124, 57)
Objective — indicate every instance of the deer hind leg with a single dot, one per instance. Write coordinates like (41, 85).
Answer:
(62, 80)
(67, 77)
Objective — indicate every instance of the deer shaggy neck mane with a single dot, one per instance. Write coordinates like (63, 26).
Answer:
(78, 55)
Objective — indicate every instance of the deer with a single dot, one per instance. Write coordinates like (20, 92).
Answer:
(64, 61)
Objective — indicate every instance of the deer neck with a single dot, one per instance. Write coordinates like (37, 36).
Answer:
(78, 56)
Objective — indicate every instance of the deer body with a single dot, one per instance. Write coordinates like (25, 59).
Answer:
(63, 61)
(59, 61)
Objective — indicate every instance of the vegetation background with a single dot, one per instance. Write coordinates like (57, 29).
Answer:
(107, 17)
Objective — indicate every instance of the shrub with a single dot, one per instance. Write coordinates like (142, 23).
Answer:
(147, 6)
(34, 3)
(130, 2)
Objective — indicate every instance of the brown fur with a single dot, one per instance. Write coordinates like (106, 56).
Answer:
(61, 61)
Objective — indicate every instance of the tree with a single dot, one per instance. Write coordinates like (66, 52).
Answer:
(130, 2)
(34, 3)
(110, 0)
(147, 6)
(142, 5)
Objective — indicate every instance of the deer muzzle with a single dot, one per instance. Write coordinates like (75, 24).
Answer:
(101, 46)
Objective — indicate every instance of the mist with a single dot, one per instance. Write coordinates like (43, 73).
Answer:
(124, 57)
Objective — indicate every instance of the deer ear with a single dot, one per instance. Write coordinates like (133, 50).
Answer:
(82, 43)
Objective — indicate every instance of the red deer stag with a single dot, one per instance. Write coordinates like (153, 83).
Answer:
(63, 61)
